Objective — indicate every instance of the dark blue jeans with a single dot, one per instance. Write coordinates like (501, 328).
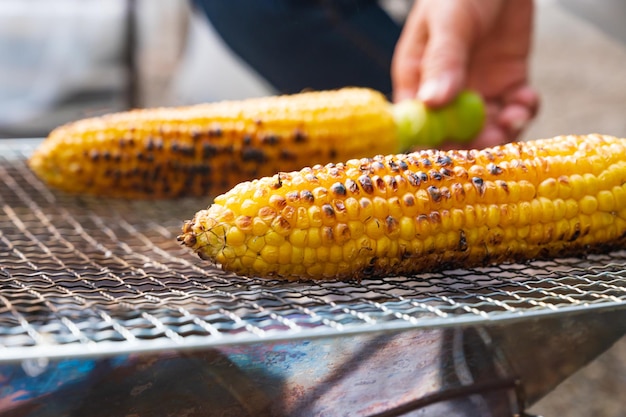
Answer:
(309, 44)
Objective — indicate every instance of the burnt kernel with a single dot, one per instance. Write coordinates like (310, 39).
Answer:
(422, 176)
(299, 136)
(391, 182)
(479, 183)
(435, 175)
(287, 155)
(366, 184)
(462, 241)
(208, 150)
(195, 133)
(328, 211)
(392, 224)
(435, 217)
(203, 169)
(393, 165)
(402, 165)
(445, 172)
(189, 239)
(282, 223)
(494, 169)
(488, 154)
(215, 132)
(576, 233)
(458, 191)
(413, 179)
(253, 155)
(443, 160)
(342, 231)
(352, 186)
(434, 193)
(340, 207)
(312, 178)
(279, 182)
(187, 150)
(327, 234)
(94, 155)
(139, 156)
(307, 196)
(270, 140)
(149, 144)
(338, 189)
(503, 185)
(292, 196)
(246, 140)
(379, 183)
(278, 201)
(377, 166)
(426, 162)
(332, 153)
(409, 200)
(106, 155)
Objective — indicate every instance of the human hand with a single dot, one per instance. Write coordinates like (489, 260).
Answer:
(483, 45)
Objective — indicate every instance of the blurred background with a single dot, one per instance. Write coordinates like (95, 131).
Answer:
(64, 60)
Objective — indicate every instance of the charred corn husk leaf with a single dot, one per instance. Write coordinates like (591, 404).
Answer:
(207, 149)
(427, 210)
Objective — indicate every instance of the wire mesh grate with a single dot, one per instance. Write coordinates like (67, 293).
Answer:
(87, 276)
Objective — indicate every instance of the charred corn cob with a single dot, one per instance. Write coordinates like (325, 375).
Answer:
(427, 210)
(207, 149)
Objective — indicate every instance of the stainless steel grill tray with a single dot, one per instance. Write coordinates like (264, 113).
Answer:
(84, 276)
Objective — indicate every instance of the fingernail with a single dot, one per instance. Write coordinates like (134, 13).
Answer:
(429, 90)
(436, 91)
(518, 123)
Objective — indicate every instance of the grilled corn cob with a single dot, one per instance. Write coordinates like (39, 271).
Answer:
(207, 149)
(427, 210)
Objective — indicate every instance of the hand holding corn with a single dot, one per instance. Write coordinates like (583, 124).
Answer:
(410, 213)
(207, 149)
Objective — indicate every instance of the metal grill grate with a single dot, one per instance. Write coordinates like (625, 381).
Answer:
(84, 276)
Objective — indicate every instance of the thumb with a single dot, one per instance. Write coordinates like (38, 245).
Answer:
(451, 35)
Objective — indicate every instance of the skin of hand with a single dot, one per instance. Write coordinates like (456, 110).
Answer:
(483, 45)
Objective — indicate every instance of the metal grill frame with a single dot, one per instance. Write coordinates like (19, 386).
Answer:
(88, 277)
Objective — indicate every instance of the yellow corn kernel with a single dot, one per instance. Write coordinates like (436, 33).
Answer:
(270, 254)
(374, 229)
(284, 253)
(235, 237)
(588, 204)
(367, 209)
(606, 200)
(299, 237)
(407, 228)
(259, 227)
(539, 206)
